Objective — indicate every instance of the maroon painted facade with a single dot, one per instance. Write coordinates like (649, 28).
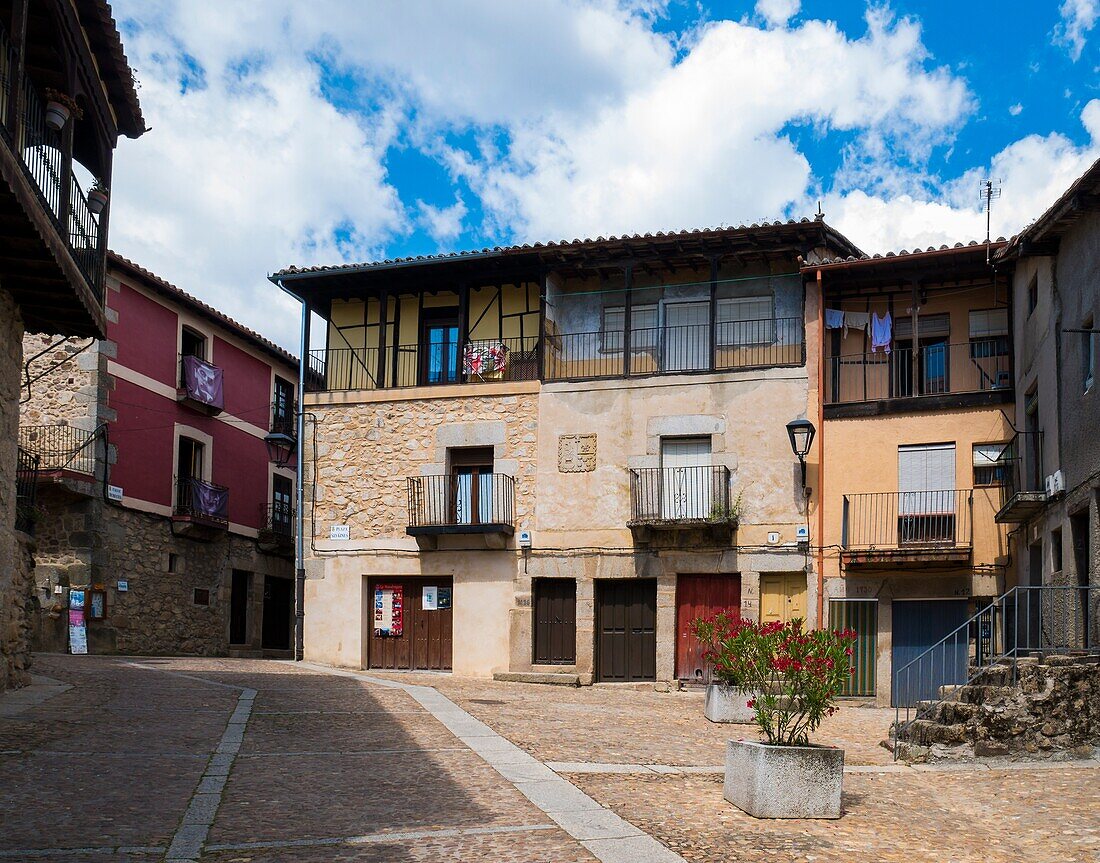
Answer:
(145, 322)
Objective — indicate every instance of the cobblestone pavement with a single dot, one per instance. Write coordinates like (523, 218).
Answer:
(327, 768)
(625, 725)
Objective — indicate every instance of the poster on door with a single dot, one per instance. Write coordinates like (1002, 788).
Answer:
(388, 607)
(430, 598)
(444, 598)
(78, 631)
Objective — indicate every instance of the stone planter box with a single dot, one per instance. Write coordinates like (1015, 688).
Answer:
(784, 781)
(728, 704)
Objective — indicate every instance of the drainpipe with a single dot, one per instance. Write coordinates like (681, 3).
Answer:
(820, 456)
(299, 544)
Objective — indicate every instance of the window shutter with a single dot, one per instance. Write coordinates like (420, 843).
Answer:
(924, 472)
(931, 326)
(988, 323)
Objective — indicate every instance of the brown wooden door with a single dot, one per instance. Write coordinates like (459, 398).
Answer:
(626, 624)
(425, 642)
(700, 596)
(555, 621)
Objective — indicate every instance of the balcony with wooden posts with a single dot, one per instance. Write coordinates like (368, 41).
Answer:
(907, 528)
(65, 95)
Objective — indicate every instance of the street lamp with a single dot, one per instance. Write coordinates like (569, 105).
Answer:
(280, 448)
(801, 433)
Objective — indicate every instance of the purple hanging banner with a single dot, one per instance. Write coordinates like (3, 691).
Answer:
(203, 382)
(210, 500)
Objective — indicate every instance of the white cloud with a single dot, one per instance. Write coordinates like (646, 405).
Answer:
(443, 224)
(1033, 172)
(709, 141)
(1078, 19)
(777, 12)
(1015, 110)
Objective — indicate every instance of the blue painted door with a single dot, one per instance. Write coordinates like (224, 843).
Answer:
(918, 625)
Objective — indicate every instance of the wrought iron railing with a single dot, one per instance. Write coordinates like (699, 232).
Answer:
(970, 367)
(202, 501)
(1020, 470)
(725, 346)
(284, 419)
(40, 150)
(680, 494)
(908, 519)
(463, 499)
(1026, 620)
(60, 447)
(429, 364)
(26, 485)
(279, 520)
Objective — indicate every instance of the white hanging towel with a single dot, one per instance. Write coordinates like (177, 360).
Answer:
(882, 331)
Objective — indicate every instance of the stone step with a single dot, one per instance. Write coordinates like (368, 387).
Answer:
(925, 733)
(984, 694)
(551, 678)
(947, 712)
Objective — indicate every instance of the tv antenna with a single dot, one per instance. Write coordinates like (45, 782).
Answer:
(991, 188)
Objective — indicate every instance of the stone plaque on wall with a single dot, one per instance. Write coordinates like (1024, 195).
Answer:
(576, 453)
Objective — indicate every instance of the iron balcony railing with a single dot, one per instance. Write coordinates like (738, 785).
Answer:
(284, 419)
(1023, 489)
(680, 495)
(429, 364)
(60, 447)
(279, 520)
(42, 155)
(1026, 620)
(908, 519)
(972, 367)
(725, 346)
(202, 501)
(26, 485)
(462, 500)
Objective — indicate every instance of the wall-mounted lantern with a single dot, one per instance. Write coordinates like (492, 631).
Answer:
(801, 433)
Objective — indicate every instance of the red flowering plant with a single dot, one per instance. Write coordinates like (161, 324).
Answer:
(794, 674)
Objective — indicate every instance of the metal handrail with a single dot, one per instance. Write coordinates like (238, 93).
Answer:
(60, 447)
(26, 489)
(452, 500)
(680, 494)
(1001, 633)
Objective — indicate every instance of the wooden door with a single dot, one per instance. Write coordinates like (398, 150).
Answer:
(425, 641)
(239, 595)
(701, 596)
(687, 336)
(782, 597)
(555, 621)
(278, 611)
(860, 615)
(918, 625)
(626, 624)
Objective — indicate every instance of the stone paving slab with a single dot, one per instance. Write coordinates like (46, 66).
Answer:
(987, 816)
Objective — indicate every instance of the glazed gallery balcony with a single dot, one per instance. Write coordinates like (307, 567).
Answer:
(908, 379)
(462, 504)
(907, 527)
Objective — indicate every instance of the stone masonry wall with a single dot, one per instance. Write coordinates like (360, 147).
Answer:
(15, 558)
(92, 544)
(69, 391)
(365, 452)
(1050, 711)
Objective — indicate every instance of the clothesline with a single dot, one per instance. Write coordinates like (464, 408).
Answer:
(881, 330)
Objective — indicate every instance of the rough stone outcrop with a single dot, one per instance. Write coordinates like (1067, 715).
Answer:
(1043, 709)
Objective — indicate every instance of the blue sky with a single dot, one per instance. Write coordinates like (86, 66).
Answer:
(332, 131)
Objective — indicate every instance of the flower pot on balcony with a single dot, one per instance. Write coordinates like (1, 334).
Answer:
(97, 200)
(57, 115)
(728, 704)
(769, 781)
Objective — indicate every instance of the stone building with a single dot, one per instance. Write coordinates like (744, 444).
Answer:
(156, 493)
(1052, 500)
(66, 95)
(546, 460)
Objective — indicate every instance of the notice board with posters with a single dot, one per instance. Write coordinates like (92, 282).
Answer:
(78, 630)
(389, 601)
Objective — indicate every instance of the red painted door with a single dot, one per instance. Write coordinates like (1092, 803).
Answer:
(700, 596)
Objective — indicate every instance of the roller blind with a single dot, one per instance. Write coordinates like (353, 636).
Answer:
(987, 323)
(925, 474)
(931, 326)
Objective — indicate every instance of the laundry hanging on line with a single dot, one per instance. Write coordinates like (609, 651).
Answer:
(858, 322)
(882, 332)
(834, 319)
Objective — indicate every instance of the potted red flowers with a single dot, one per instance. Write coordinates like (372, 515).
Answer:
(794, 676)
(727, 698)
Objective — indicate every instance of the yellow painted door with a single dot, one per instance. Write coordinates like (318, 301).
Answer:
(782, 597)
